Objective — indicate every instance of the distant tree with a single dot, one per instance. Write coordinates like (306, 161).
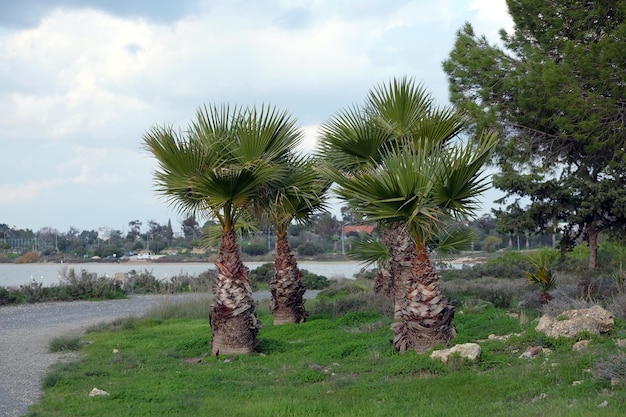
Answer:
(190, 227)
(326, 225)
(135, 230)
(168, 233)
(556, 92)
(491, 243)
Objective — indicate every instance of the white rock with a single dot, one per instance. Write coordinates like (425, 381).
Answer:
(97, 392)
(595, 320)
(469, 351)
(580, 346)
(603, 404)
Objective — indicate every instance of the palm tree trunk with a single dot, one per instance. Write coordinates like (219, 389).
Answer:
(233, 321)
(592, 235)
(287, 302)
(422, 317)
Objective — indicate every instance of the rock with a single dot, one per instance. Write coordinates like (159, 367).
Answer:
(620, 343)
(531, 352)
(581, 345)
(98, 392)
(595, 320)
(539, 397)
(603, 404)
(469, 351)
(577, 382)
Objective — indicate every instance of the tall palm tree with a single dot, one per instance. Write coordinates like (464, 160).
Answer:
(220, 166)
(298, 200)
(395, 160)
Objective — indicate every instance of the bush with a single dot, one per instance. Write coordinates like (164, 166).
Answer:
(612, 369)
(503, 293)
(189, 283)
(27, 258)
(313, 281)
(263, 274)
(10, 296)
(65, 344)
(141, 282)
(343, 297)
(254, 249)
(309, 249)
(509, 265)
(33, 292)
(88, 286)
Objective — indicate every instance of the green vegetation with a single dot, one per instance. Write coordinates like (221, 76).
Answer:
(85, 285)
(338, 363)
(553, 88)
(65, 344)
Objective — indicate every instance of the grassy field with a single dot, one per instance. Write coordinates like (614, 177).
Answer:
(335, 364)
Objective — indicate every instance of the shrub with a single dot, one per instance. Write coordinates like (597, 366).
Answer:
(612, 369)
(314, 281)
(309, 249)
(509, 265)
(65, 344)
(88, 286)
(189, 283)
(343, 297)
(33, 292)
(27, 258)
(502, 293)
(254, 249)
(141, 282)
(261, 275)
(10, 296)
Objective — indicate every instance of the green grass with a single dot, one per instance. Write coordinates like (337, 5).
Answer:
(341, 366)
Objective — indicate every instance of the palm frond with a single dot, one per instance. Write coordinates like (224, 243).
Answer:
(449, 241)
(370, 251)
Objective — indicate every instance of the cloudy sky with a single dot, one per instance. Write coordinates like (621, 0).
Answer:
(82, 80)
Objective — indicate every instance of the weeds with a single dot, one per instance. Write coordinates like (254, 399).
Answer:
(65, 344)
(612, 369)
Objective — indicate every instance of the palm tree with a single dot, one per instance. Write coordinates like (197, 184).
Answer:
(220, 167)
(395, 161)
(300, 197)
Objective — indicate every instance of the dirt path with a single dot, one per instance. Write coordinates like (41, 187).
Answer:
(26, 331)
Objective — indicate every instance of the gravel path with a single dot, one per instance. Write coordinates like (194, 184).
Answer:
(26, 331)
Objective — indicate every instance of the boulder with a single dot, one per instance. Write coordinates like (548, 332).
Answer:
(581, 345)
(96, 392)
(595, 320)
(469, 351)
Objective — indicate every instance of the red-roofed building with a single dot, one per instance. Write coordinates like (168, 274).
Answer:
(358, 229)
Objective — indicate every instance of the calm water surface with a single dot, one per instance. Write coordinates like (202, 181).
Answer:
(51, 273)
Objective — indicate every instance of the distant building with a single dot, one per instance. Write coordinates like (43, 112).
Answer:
(358, 229)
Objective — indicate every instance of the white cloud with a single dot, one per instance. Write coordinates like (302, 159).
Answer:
(79, 89)
(26, 191)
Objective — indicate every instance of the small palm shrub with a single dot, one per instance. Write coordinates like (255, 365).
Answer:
(543, 263)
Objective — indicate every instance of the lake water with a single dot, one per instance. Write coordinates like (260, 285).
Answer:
(14, 275)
